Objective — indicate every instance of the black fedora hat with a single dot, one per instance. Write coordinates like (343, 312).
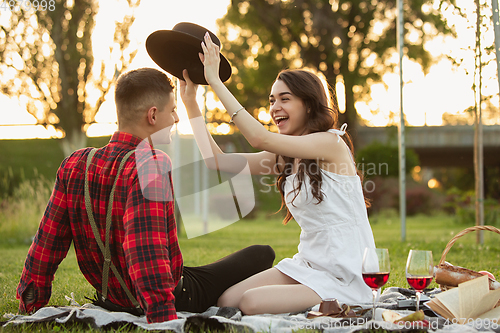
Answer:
(177, 49)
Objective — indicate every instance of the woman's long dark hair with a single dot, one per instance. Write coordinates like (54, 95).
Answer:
(320, 118)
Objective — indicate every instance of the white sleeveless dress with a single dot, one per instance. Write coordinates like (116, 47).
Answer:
(333, 237)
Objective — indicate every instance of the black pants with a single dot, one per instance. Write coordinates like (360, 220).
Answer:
(202, 286)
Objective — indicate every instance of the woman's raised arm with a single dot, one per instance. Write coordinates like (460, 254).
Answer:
(319, 146)
(262, 163)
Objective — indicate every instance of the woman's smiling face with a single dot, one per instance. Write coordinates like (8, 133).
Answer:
(287, 110)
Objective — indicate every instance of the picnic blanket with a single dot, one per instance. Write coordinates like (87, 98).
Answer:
(218, 319)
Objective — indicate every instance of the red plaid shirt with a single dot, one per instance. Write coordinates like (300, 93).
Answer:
(143, 241)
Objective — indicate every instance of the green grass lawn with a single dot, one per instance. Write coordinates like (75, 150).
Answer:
(422, 232)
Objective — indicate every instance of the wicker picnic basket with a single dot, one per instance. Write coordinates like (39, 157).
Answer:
(454, 239)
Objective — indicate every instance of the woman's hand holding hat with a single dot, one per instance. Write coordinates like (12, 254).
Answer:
(187, 87)
(187, 90)
(210, 59)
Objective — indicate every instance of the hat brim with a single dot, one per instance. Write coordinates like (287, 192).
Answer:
(175, 51)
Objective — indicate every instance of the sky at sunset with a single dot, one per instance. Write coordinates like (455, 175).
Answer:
(426, 97)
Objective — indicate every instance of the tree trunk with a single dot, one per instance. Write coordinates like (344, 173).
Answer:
(74, 140)
(478, 130)
(350, 115)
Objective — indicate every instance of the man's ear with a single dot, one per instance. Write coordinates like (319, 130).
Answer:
(151, 115)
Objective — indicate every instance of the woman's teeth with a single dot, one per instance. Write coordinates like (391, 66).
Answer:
(280, 119)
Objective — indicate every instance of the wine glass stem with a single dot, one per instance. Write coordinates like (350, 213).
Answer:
(417, 295)
(374, 292)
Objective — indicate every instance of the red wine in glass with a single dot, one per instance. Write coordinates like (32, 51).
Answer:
(376, 280)
(419, 282)
(419, 270)
(375, 270)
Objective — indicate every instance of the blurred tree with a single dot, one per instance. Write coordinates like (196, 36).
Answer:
(47, 61)
(382, 160)
(483, 71)
(353, 42)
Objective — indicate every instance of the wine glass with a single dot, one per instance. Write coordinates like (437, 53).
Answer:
(376, 269)
(419, 271)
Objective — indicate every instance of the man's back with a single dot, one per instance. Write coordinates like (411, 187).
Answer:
(143, 235)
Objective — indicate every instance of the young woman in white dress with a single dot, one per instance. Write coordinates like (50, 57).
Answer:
(319, 184)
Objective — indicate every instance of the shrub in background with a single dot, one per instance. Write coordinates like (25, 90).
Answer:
(462, 205)
(383, 194)
(420, 199)
(380, 159)
(9, 181)
(21, 212)
(456, 198)
(379, 163)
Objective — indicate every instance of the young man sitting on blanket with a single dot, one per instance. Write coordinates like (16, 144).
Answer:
(116, 204)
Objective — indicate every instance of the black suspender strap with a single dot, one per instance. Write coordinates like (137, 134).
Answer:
(105, 247)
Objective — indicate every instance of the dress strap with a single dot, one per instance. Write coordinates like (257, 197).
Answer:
(340, 132)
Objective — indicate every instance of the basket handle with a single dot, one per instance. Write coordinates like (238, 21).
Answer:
(463, 232)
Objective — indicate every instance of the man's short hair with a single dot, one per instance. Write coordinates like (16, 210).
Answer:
(138, 90)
